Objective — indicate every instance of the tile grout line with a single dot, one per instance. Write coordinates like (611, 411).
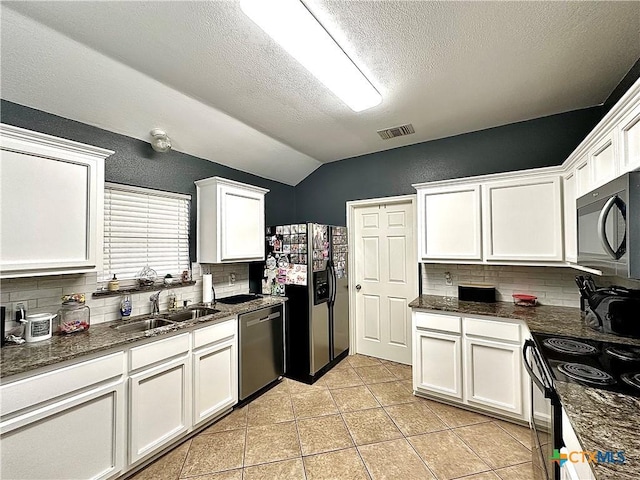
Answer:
(453, 430)
(355, 445)
(183, 462)
(295, 421)
(397, 380)
(512, 436)
(478, 455)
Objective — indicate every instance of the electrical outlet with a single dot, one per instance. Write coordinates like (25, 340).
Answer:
(232, 279)
(15, 309)
(448, 280)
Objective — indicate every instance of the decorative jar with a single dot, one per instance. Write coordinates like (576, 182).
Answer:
(74, 315)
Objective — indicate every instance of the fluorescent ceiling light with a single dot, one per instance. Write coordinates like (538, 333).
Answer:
(290, 24)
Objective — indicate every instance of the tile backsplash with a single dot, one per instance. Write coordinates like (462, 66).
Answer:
(552, 285)
(42, 294)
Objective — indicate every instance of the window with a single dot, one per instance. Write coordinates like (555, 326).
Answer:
(145, 227)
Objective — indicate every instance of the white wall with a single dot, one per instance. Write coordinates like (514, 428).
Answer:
(42, 294)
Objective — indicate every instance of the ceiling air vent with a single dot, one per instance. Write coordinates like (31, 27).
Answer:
(393, 132)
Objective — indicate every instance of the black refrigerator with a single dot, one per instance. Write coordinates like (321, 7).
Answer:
(307, 263)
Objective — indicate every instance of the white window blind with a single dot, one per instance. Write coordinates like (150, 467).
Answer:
(145, 227)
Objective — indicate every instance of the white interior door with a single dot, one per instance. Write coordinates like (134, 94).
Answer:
(386, 271)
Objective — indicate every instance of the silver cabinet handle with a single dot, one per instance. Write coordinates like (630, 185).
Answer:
(358, 287)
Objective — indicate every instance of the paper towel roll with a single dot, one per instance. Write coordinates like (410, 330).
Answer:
(207, 292)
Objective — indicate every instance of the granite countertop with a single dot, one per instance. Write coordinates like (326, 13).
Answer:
(16, 359)
(540, 319)
(602, 420)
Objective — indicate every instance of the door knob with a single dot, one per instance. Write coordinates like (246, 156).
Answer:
(358, 287)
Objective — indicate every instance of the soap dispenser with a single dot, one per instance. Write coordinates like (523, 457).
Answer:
(125, 307)
(113, 284)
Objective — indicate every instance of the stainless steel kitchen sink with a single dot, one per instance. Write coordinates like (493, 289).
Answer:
(142, 325)
(191, 313)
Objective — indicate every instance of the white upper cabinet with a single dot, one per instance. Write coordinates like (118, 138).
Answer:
(522, 220)
(570, 217)
(230, 221)
(603, 160)
(51, 191)
(504, 218)
(628, 133)
(449, 223)
(583, 177)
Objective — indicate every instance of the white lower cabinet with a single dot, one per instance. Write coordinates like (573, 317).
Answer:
(79, 421)
(437, 354)
(69, 424)
(493, 375)
(437, 366)
(159, 406)
(475, 362)
(215, 372)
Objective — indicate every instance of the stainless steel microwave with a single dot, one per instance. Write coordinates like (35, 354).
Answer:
(609, 227)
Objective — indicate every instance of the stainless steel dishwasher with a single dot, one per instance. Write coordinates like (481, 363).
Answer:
(261, 349)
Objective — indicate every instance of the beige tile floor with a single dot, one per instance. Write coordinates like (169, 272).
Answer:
(360, 421)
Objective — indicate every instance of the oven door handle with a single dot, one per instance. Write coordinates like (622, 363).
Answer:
(530, 344)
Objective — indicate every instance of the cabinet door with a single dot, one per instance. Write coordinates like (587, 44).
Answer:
(436, 363)
(241, 224)
(215, 380)
(79, 437)
(449, 223)
(159, 407)
(583, 177)
(522, 220)
(629, 140)
(603, 160)
(51, 194)
(493, 375)
(570, 218)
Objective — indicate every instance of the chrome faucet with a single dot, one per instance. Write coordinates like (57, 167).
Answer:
(212, 303)
(155, 301)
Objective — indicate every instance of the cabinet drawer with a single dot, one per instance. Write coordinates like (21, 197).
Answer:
(437, 322)
(158, 351)
(492, 329)
(214, 333)
(47, 386)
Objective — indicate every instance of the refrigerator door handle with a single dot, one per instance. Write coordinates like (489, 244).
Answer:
(332, 283)
(335, 282)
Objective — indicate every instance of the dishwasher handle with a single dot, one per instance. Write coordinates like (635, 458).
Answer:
(268, 318)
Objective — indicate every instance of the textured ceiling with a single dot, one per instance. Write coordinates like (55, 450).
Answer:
(226, 92)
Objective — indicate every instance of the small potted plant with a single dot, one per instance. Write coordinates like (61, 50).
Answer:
(168, 279)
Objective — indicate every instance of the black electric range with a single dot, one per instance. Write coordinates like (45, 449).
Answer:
(605, 365)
